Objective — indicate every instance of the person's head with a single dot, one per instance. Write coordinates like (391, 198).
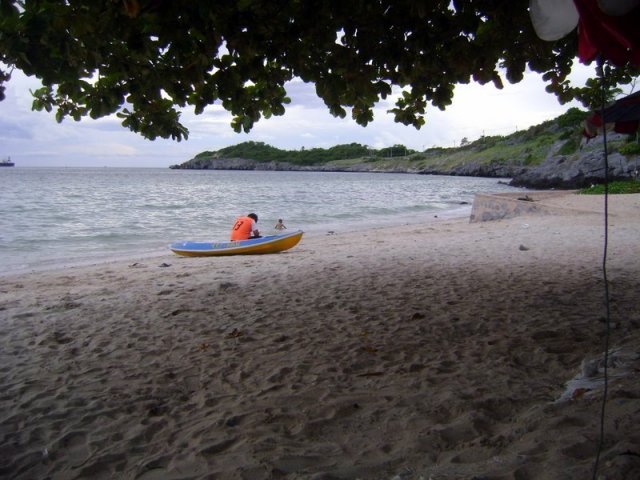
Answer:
(254, 216)
(279, 220)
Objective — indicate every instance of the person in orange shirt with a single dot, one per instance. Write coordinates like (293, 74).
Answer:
(245, 228)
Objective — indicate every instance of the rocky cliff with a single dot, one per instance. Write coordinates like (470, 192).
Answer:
(585, 168)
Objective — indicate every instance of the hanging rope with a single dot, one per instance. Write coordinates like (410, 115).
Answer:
(607, 331)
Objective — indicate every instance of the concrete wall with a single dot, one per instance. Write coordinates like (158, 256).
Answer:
(487, 207)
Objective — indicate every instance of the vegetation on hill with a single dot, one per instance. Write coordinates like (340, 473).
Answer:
(523, 148)
(262, 152)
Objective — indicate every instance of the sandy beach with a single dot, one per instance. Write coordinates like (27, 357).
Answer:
(439, 350)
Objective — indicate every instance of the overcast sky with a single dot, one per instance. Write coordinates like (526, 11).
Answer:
(33, 138)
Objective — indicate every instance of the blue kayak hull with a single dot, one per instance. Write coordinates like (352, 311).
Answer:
(254, 246)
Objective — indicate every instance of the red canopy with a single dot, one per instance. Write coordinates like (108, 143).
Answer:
(615, 36)
(610, 28)
(624, 114)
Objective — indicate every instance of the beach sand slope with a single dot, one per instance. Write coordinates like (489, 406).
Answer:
(441, 350)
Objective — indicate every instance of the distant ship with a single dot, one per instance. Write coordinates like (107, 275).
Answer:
(6, 162)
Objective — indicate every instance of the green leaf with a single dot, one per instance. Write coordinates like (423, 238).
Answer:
(95, 58)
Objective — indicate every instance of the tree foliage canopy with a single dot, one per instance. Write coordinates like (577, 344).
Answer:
(146, 59)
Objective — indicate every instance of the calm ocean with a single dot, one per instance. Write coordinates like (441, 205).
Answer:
(54, 216)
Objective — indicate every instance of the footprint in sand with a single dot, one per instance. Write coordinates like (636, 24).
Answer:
(75, 447)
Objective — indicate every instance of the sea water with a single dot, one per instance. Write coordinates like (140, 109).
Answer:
(60, 216)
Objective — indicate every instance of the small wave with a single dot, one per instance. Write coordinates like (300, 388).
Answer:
(99, 216)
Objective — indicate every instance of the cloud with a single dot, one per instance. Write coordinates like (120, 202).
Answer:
(35, 138)
(10, 130)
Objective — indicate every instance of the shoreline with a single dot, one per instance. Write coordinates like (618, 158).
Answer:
(72, 232)
(64, 263)
(435, 350)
